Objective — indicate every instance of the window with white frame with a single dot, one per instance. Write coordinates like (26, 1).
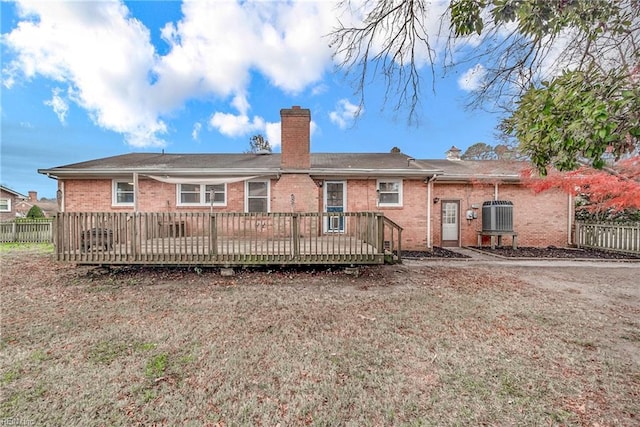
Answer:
(257, 196)
(5, 205)
(123, 193)
(390, 192)
(202, 194)
(215, 194)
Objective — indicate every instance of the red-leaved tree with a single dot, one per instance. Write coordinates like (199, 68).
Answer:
(614, 189)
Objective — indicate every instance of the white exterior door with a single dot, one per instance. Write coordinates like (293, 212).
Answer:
(450, 223)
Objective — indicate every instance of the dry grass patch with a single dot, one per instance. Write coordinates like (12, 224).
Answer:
(394, 346)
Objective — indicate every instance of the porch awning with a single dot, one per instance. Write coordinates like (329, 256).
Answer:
(199, 179)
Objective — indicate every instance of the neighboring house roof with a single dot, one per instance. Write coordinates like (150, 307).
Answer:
(331, 164)
(49, 207)
(10, 191)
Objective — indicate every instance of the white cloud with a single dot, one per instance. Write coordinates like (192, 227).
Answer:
(236, 125)
(215, 45)
(241, 104)
(114, 72)
(240, 125)
(102, 53)
(59, 105)
(319, 89)
(195, 133)
(473, 78)
(273, 133)
(345, 113)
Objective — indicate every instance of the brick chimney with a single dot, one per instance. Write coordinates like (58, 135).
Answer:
(295, 131)
(33, 196)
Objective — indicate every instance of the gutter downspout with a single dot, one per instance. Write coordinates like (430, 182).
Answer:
(135, 192)
(429, 197)
(61, 196)
(495, 191)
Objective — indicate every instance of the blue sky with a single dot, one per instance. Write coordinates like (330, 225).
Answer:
(84, 80)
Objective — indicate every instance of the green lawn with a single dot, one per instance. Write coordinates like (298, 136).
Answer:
(38, 247)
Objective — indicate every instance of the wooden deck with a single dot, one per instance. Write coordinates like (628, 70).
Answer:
(226, 239)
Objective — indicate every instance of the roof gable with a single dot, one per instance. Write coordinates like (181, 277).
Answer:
(13, 192)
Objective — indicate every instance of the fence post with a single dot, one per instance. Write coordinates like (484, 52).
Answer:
(54, 236)
(133, 236)
(578, 234)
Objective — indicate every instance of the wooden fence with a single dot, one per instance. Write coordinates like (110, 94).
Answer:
(27, 231)
(198, 238)
(609, 236)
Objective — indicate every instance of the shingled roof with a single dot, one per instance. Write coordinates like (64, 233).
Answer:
(238, 164)
(465, 170)
(322, 164)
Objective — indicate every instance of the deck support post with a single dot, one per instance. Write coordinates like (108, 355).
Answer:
(380, 221)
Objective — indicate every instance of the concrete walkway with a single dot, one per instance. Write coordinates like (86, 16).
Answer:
(481, 258)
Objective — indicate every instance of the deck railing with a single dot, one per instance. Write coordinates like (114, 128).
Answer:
(226, 238)
(609, 236)
(36, 230)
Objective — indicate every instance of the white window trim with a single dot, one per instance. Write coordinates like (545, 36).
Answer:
(391, 205)
(8, 206)
(246, 193)
(114, 193)
(203, 196)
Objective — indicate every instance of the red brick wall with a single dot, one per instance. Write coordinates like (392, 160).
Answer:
(539, 219)
(295, 131)
(88, 195)
(306, 194)
(95, 195)
(412, 216)
(5, 216)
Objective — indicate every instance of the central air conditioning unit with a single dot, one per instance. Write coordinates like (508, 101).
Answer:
(497, 216)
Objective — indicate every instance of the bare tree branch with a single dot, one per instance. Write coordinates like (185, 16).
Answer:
(393, 40)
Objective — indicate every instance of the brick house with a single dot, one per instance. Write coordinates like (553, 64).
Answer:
(49, 207)
(430, 199)
(9, 199)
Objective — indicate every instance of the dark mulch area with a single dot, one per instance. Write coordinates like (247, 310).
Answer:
(437, 252)
(555, 252)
